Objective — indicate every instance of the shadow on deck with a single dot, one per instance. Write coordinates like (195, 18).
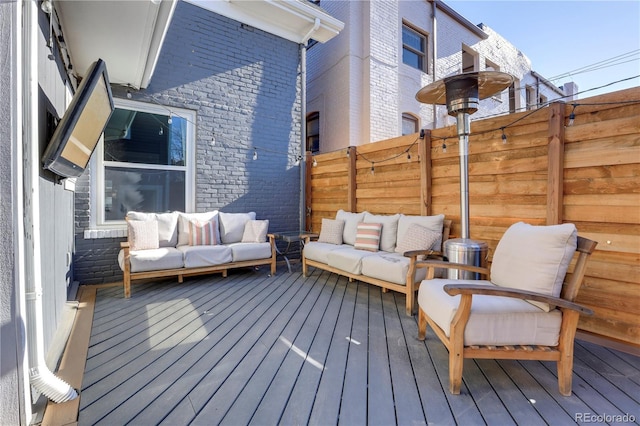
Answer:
(255, 349)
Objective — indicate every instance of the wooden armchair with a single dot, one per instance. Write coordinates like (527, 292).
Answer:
(521, 311)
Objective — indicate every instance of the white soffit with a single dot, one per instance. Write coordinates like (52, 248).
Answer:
(294, 20)
(127, 35)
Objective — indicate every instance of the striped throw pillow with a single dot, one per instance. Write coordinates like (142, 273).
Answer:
(202, 233)
(368, 236)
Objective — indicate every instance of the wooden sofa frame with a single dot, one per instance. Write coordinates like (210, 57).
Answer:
(409, 290)
(128, 276)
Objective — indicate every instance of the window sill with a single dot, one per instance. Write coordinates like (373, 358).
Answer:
(95, 234)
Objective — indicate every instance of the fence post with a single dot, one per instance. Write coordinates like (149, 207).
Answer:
(424, 154)
(555, 159)
(352, 184)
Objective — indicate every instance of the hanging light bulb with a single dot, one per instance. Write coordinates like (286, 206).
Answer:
(170, 119)
(298, 158)
(444, 147)
(161, 132)
(373, 170)
(213, 139)
(348, 153)
(504, 136)
(572, 116)
(255, 154)
(315, 162)
(408, 157)
(129, 95)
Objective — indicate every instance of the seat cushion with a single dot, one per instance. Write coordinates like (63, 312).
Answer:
(319, 251)
(348, 259)
(153, 260)
(494, 320)
(205, 255)
(249, 251)
(534, 258)
(392, 267)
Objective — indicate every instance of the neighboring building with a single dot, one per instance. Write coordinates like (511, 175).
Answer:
(208, 84)
(362, 84)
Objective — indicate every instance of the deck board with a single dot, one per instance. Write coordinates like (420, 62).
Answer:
(288, 349)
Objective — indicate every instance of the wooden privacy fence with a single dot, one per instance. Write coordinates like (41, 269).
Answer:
(576, 162)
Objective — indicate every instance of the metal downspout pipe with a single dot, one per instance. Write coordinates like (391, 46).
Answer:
(40, 377)
(303, 136)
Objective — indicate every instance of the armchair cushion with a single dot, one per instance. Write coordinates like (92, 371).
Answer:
(493, 320)
(534, 258)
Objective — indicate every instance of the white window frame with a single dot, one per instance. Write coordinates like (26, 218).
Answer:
(423, 54)
(97, 219)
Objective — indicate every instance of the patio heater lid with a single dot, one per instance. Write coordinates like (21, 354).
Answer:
(462, 92)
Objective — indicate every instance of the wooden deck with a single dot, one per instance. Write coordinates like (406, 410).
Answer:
(255, 349)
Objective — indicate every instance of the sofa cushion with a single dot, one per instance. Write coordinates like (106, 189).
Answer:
(249, 251)
(167, 226)
(331, 231)
(433, 223)
(185, 218)
(368, 236)
(232, 225)
(319, 251)
(392, 267)
(202, 233)
(201, 256)
(494, 320)
(255, 231)
(348, 259)
(534, 258)
(389, 236)
(417, 237)
(142, 234)
(153, 259)
(351, 221)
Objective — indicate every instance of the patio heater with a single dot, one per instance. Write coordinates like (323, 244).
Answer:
(461, 93)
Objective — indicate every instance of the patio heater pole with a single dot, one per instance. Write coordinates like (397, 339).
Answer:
(462, 94)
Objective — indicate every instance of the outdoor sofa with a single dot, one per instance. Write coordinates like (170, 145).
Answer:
(377, 249)
(183, 244)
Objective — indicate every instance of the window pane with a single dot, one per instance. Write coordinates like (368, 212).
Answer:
(140, 137)
(412, 59)
(128, 189)
(409, 125)
(412, 39)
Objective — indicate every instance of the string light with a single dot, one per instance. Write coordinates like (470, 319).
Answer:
(444, 145)
(348, 153)
(373, 170)
(572, 116)
(213, 139)
(129, 95)
(255, 154)
(504, 136)
(161, 132)
(315, 162)
(170, 119)
(409, 157)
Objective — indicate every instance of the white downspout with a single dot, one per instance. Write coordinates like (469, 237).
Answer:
(40, 377)
(303, 137)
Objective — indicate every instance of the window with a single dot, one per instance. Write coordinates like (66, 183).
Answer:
(409, 124)
(313, 132)
(145, 162)
(512, 98)
(414, 48)
(469, 59)
(491, 66)
(530, 93)
(542, 100)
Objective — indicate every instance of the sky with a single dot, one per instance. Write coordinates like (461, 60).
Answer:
(568, 39)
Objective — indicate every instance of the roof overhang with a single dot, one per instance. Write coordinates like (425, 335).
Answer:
(127, 35)
(294, 20)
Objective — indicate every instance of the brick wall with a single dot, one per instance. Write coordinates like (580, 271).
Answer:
(243, 84)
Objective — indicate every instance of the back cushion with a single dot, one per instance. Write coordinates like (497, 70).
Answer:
(534, 258)
(232, 226)
(433, 223)
(167, 226)
(388, 238)
(351, 221)
(184, 229)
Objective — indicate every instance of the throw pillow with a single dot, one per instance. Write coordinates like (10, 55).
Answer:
(368, 236)
(331, 231)
(255, 231)
(202, 233)
(142, 234)
(185, 218)
(417, 237)
(389, 229)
